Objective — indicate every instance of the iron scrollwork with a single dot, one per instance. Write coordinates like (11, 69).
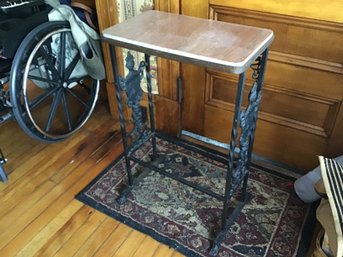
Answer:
(131, 84)
(247, 121)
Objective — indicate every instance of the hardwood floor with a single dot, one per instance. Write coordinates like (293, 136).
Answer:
(38, 213)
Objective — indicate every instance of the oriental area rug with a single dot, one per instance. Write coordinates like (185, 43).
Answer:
(275, 222)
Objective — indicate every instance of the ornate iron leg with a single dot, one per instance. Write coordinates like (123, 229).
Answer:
(131, 84)
(246, 119)
(228, 186)
(259, 76)
(151, 106)
(121, 118)
(234, 133)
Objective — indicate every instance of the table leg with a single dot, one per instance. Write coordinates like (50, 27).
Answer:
(246, 120)
(131, 84)
(151, 107)
(258, 74)
(121, 116)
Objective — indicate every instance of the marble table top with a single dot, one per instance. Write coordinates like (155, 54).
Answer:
(213, 44)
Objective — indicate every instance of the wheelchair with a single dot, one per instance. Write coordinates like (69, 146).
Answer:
(42, 82)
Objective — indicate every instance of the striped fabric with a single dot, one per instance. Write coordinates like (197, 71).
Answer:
(332, 174)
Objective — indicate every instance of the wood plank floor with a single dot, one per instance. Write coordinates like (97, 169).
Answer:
(38, 213)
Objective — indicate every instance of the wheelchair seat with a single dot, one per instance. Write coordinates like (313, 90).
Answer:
(7, 6)
(5, 66)
(17, 19)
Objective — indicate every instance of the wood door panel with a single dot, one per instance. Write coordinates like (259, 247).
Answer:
(273, 140)
(308, 113)
(291, 32)
(304, 79)
(194, 79)
(168, 72)
(167, 115)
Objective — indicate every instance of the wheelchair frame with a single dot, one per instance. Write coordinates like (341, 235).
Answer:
(43, 68)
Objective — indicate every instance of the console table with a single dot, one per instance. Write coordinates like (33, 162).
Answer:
(216, 45)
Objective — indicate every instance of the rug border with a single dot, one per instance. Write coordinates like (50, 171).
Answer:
(127, 221)
(302, 248)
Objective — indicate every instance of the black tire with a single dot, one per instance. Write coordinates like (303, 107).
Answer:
(50, 99)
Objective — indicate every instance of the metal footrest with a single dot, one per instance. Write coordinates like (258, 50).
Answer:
(3, 175)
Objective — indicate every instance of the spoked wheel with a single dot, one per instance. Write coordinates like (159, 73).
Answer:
(51, 94)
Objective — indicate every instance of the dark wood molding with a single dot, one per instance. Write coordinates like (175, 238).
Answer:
(276, 18)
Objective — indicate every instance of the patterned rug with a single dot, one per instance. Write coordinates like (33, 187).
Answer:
(274, 223)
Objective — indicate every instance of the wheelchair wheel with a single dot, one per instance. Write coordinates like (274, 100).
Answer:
(51, 94)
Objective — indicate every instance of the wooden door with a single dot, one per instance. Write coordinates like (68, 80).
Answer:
(301, 114)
